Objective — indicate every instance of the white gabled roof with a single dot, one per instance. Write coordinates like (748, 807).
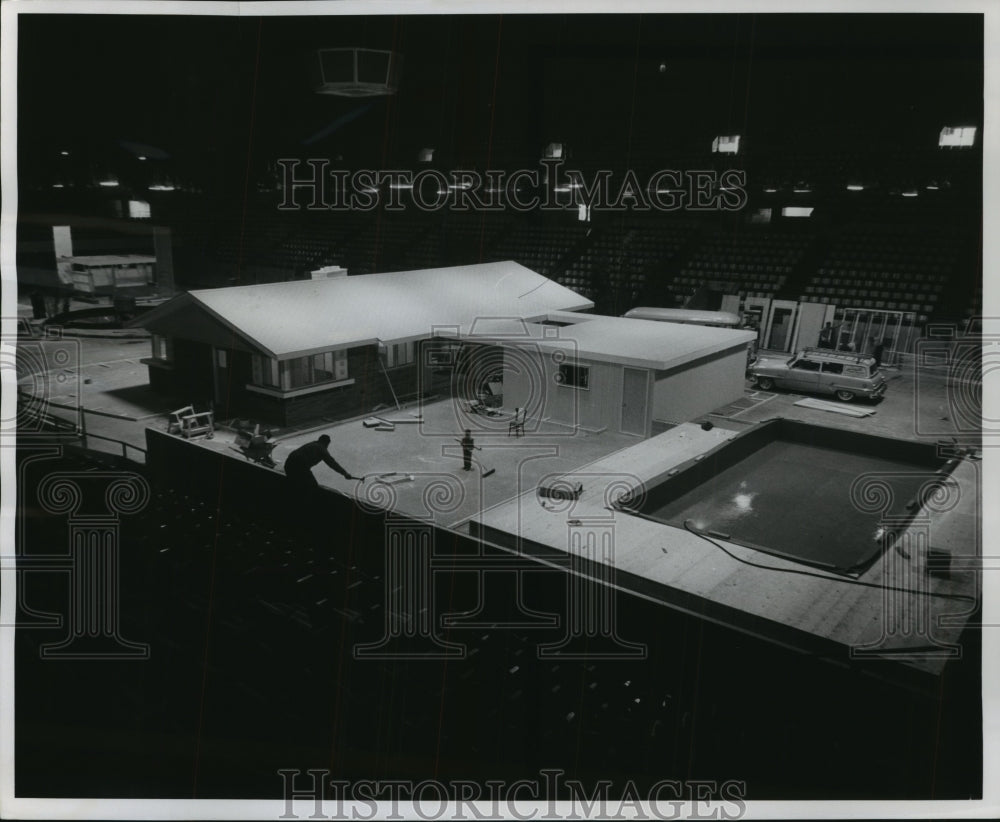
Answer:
(296, 318)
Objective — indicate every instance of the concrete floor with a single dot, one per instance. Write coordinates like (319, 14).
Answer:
(102, 375)
(925, 406)
(428, 452)
(928, 405)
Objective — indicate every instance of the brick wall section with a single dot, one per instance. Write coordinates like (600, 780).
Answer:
(190, 381)
(368, 390)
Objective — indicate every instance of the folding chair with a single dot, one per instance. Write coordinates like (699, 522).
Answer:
(516, 425)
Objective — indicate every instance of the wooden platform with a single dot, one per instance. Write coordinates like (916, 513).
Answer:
(810, 610)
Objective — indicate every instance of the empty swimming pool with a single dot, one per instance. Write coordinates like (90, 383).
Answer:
(785, 487)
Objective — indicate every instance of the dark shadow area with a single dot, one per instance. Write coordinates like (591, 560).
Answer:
(254, 605)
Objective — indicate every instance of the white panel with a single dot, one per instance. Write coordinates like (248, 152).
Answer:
(731, 303)
(689, 393)
(62, 239)
(596, 407)
(811, 319)
(780, 325)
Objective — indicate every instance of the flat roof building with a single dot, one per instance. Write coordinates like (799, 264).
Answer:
(335, 348)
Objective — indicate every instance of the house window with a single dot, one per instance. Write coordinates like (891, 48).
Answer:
(265, 371)
(397, 354)
(330, 366)
(575, 376)
(163, 348)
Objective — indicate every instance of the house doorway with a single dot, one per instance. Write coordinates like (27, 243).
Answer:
(634, 396)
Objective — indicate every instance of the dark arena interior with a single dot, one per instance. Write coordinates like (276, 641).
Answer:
(776, 166)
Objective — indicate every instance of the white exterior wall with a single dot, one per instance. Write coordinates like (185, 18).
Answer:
(593, 408)
(677, 396)
(696, 389)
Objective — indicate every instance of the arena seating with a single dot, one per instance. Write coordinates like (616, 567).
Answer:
(459, 238)
(544, 249)
(885, 269)
(871, 249)
(754, 263)
(622, 261)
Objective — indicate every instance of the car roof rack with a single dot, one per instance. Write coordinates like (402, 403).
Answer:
(846, 356)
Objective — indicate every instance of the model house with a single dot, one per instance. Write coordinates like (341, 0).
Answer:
(330, 349)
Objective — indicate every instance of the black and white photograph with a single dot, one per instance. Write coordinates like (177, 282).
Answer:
(482, 411)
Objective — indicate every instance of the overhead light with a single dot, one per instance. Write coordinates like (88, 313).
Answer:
(932, 186)
(142, 157)
(58, 185)
(960, 136)
(910, 192)
(162, 187)
(798, 190)
(726, 144)
(64, 153)
(109, 183)
(855, 187)
(770, 190)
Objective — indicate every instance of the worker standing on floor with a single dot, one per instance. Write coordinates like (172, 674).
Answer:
(468, 443)
(299, 464)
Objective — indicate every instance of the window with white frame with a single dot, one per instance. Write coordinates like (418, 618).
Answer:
(163, 348)
(330, 366)
(397, 354)
(301, 372)
(265, 371)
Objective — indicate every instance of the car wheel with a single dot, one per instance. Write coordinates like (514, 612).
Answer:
(845, 396)
(765, 383)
